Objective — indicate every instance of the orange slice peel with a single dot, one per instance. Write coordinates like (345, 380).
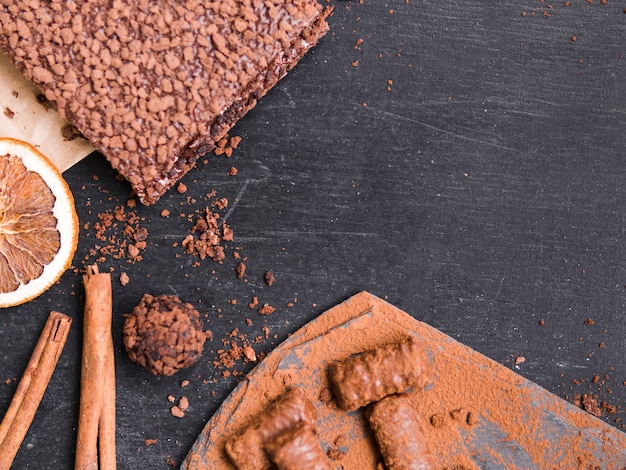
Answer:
(38, 223)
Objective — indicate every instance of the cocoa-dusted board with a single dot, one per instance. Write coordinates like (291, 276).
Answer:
(514, 422)
(23, 117)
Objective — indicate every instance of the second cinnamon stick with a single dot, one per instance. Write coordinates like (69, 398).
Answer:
(95, 445)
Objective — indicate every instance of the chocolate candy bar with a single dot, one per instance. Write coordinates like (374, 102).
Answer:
(398, 432)
(298, 448)
(154, 84)
(245, 450)
(372, 375)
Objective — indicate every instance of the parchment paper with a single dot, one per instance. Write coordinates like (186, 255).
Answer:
(23, 117)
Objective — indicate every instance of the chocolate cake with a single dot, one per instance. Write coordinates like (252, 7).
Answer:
(155, 84)
(374, 374)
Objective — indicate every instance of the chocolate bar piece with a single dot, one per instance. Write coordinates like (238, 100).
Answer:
(398, 432)
(246, 451)
(154, 84)
(372, 375)
(298, 448)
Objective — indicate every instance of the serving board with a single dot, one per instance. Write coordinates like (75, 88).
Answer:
(25, 118)
(515, 423)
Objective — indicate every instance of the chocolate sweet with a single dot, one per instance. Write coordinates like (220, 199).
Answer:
(398, 432)
(154, 84)
(246, 450)
(372, 375)
(298, 448)
(164, 334)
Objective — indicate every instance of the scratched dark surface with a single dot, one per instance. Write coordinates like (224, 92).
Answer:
(461, 160)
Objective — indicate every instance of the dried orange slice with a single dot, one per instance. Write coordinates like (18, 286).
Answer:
(38, 223)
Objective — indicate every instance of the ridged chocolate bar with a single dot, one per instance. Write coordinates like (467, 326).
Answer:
(398, 431)
(154, 84)
(246, 449)
(298, 448)
(372, 375)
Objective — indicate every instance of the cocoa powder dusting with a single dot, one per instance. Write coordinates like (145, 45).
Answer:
(469, 395)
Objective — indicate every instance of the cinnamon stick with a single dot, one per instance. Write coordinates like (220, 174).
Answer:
(95, 444)
(32, 386)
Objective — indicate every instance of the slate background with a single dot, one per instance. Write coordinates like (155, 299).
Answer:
(482, 193)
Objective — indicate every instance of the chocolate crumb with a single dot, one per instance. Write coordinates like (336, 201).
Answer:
(205, 240)
(9, 113)
(266, 309)
(269, 278)
(590, 404)
(183, 403)
(254, 302)
(70, 132)
(241, 270)
(177, 412)
(124, 279)
(249, 354)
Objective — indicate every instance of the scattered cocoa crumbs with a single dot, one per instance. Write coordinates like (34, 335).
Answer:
(254, 302)
(206, 237)
(590, 404)
(221, 203)
(266, 309)
(69, 133)
(124, 279)
(589, 321)
(232, 171)
(149, 442)
(226, 146)
(118, 234)
(269, 278)
(184, 383)
(241, 270)
(181, 188)
(165, 213)
(9, 113)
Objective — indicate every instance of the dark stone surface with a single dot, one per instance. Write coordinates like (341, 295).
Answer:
(469, 170)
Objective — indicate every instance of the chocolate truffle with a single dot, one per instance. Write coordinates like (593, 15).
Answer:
(164, 334)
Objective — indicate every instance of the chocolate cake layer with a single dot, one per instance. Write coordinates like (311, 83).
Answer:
(154, 84)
